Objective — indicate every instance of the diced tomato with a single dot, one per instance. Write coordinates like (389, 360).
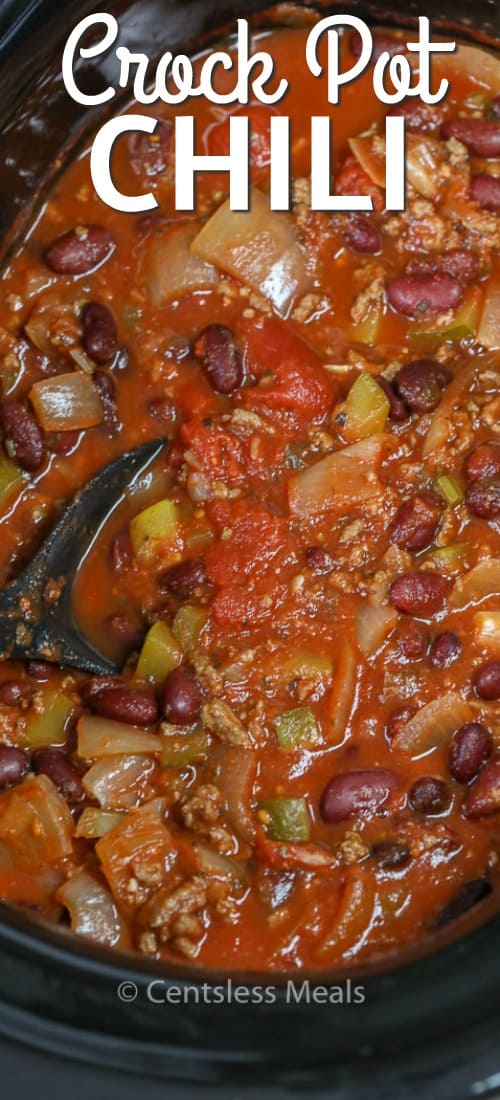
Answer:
(238, 609)
(219, 452)
(217, 136)
(256, 540)
(291, 376)
(353, 180)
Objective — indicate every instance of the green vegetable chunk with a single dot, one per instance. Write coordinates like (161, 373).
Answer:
(285, 818)
(297, 729)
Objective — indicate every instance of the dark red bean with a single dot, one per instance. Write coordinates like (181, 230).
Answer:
(470, 747)
(122, 554)
(484, 461)
(398, 718)
(413, 641)
(460, 263)
(482, 138)
(107, 393)
(125, 704)
(422, 296)
(420, 384)
(445, 649)
(150, 153)
(80, 250)
(469, 895)
(483, 498)
(13, 765)
(485, 190)
(184, 580)
(429, 796)
(181, 698)
(487, 680)
(100, 338)
(391, 855)
(353, 793)
(23, 435)
(398, 411)
(382, 43)
(483, 797)
(162, 409)
(416, 521)
(42, 671)
(319, 560)
(13, 692)
(127, 630)
(95, 684)
(216, 348)
(362, 236)
(419, 593)
(55, 764)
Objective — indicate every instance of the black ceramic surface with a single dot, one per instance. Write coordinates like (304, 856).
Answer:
(427, 1028)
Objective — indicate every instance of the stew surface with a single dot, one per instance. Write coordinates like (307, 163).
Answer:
(299, 765)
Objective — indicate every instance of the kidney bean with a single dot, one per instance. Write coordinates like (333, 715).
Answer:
(24, 435)
(352, 793)
(41, 671)
(417, 114)
(429, 796)
(149, 153)
(420, 383)
(362, 236)
(184, 579)
(483, 498)
(127, 704)
(126, 629)
(483, 797)
(216, 348)
(122, 554)
(398, 411)
(484, 461)
(487, 680)
(445, 649)
(162, 409)
(55, 764)
(419, 593)
(485, 190)
(391, 855)
(181, 698)
(13, 765)
(460, 263)
(95, 684)
(398, 718)
(469, 894)
(80, 250)
(13, 692)
(413, 641)
(416, 521)
(107, 393)
(319, 560)
(482, 138)
(382, 43)
(100, 338)
(470, 747)
(424, 295)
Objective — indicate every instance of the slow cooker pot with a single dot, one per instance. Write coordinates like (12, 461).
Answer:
(427, 1024)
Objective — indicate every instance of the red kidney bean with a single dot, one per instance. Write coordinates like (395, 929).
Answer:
(469, 895)
(470, 747)
(483, 498)
(382, 43)
(95, 684)
(487, 680)
(481, 138)
(216, 348)
(162, 409)
(126, 629)
(484, 461)
(23, 434)
(416, 521)
(80, 250)
(149, 153)
(122, 554)
(123, 703)
(419, 593)
(398, 718)
(353, 793)
(461, 264)
(398, 411)
(429, 796)
(13, 692)
(413, 641)
(100, 338)
(13, 765)
(424, 295)
(485, 190)
(319, 560)
(420, 384)
(41, 671)
(185, 579)
(391, 855)
(107, 393)
(362, 236)
(483, 797)
(445, 649)
(181, 698)
(55, 764)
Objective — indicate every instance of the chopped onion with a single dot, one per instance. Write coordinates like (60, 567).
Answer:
(141, 840)
(36, 823)
(371, 161)
(66, 402)
(433, 724)
(373, 624)
(479, 583)
(423, 158)
(173, 269)
(489, 326)
(92, 909)
(338, 482)
(482, 65)
(104, 737)
(115, 781)
(213, 863)
(487, 629)
(260, 247)
(343, 694)
(441, 427)
(353, 918)
(234, 773)
(95, 823)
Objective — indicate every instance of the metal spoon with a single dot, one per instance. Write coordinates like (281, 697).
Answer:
(30, 625)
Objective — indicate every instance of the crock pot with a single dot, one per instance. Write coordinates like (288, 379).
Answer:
(428, 1024)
